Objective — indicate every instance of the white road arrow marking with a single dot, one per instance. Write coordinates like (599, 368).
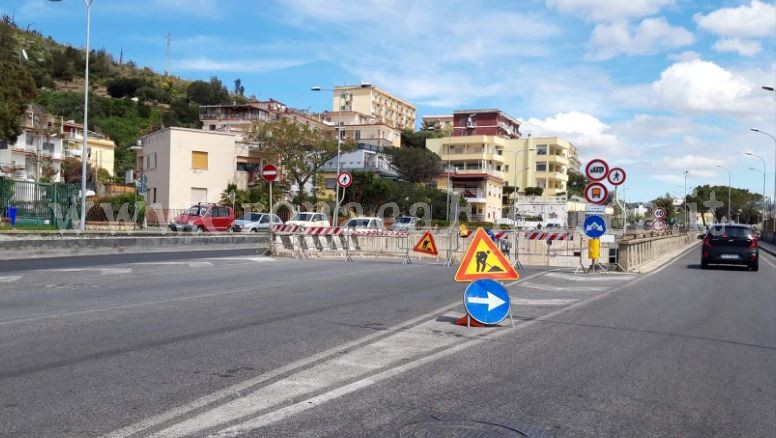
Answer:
(492, 301)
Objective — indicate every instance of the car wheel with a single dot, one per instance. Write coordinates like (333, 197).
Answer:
(254, 230)
(200, 229)
(755, 266)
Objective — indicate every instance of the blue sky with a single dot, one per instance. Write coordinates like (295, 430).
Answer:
(655, 86)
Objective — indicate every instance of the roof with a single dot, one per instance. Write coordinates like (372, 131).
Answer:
(487, 110)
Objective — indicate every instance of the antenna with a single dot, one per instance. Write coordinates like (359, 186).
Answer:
(167, 62)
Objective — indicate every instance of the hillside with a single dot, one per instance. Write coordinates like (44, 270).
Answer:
(125, 101)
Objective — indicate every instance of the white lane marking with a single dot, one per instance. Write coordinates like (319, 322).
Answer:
(278, 415)
(549, 287)
(236, 390)
(409, 345)
(584, 277)
(189, 264)
(251, 259)
(769, 262)
(543, 302)
(102, 271)
(10, 278)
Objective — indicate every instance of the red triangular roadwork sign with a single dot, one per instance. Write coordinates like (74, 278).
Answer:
(426, 244)
(484, 260)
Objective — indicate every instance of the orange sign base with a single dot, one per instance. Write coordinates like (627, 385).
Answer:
(468, 321)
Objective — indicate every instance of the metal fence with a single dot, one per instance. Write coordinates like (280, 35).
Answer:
(36, 202)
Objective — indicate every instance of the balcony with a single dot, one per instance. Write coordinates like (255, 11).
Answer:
(557, 159)
(471, 194)
(551, 175)
(478, 172)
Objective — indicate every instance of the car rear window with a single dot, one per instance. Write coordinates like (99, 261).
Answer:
(731, 232)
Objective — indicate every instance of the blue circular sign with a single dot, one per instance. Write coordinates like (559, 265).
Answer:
(486, 301)
(594, 226)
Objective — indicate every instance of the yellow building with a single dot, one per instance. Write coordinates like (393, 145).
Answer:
(372, 101)
(475, 169)
(101, 148)
(546, 166)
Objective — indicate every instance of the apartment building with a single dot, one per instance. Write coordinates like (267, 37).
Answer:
(100, 148)
(37, 153)
(485, 154)
(186, 166)
(368, 99)
(239, 118)
(438, 122)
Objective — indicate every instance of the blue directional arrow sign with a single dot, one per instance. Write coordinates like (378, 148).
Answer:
(486, 301)
(594, 226)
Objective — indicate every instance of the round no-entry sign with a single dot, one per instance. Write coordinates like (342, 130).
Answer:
(269, 173)
(596, 170)
(344, 179)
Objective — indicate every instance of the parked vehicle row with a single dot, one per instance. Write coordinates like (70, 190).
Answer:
(217, 217)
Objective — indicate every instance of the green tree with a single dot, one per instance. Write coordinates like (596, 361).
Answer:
(534, 191)
(415, 165)
(707, 197)
(576, 183)
(17, 86)
(417, 139)
(208, 93)
(300, 149)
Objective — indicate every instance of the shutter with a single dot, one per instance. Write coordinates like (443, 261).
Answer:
(199, 160)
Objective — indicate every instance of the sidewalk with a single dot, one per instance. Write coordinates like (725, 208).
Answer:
(767, 247)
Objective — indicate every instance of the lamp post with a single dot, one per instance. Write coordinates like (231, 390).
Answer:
(685, 197)
(764, 172)
(84, 148)
(339, 145)
(773, 221)
(729, 174)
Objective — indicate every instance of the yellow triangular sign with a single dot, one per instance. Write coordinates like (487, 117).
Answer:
(426, 244)
(484, 260)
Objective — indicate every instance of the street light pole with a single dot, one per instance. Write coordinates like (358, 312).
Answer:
(764, 172)
(84, 148)
(773, 221)
(685, 198)
(729, 188)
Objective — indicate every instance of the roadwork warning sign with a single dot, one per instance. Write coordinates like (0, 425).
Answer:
(426, 244)
(484, 260)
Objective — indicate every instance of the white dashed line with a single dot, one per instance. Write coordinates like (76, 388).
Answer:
(10, 278)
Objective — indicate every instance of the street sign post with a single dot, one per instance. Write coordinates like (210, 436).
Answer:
(486, 301)
(594, 226)
(596, 170)
(269, 173)
(595, 209)
(596, 193)
(616, 176)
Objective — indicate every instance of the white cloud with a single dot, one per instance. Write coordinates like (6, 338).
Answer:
(702, 86)
(758, 19)
(742, 47)
(698, 166)
(650, 36)
(208, 64)
(590, 135)
(609, 10)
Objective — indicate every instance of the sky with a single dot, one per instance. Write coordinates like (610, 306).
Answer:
(656, 87)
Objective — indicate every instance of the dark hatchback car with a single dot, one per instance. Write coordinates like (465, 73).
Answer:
(730, 245)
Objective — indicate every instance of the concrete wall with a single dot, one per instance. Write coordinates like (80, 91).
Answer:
(636, 250)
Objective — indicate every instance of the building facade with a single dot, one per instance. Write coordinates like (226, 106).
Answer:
(100, 148)
(187, 166)
(370, 100)
(438, 123)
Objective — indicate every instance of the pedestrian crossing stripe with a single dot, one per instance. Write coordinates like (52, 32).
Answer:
(484, 260)
(426, 244)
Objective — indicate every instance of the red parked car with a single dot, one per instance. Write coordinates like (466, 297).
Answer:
(205, 217)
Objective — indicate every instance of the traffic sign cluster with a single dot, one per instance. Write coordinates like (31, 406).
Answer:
(596, 171)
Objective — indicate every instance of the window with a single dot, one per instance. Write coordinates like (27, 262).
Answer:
(541, 167)
(48, 147)
(198, 160)
(198, 195)
(154, 201)
(30, 139)
(150, 163)
(358, 134)
(331, 183)
(3, 144)
(541, 149)
(319, 217)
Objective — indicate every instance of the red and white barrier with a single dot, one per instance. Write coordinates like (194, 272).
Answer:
(540, 235)
(285, 229)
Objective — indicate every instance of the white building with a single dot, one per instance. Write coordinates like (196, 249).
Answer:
(37, 153)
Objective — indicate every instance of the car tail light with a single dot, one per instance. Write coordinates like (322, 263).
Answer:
(753, 244)
(707, 242)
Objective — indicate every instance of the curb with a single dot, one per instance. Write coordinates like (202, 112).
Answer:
(770, 250)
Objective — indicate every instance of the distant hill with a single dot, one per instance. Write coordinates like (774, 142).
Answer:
(125, 102)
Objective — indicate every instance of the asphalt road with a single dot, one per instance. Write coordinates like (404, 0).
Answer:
(236, 345)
